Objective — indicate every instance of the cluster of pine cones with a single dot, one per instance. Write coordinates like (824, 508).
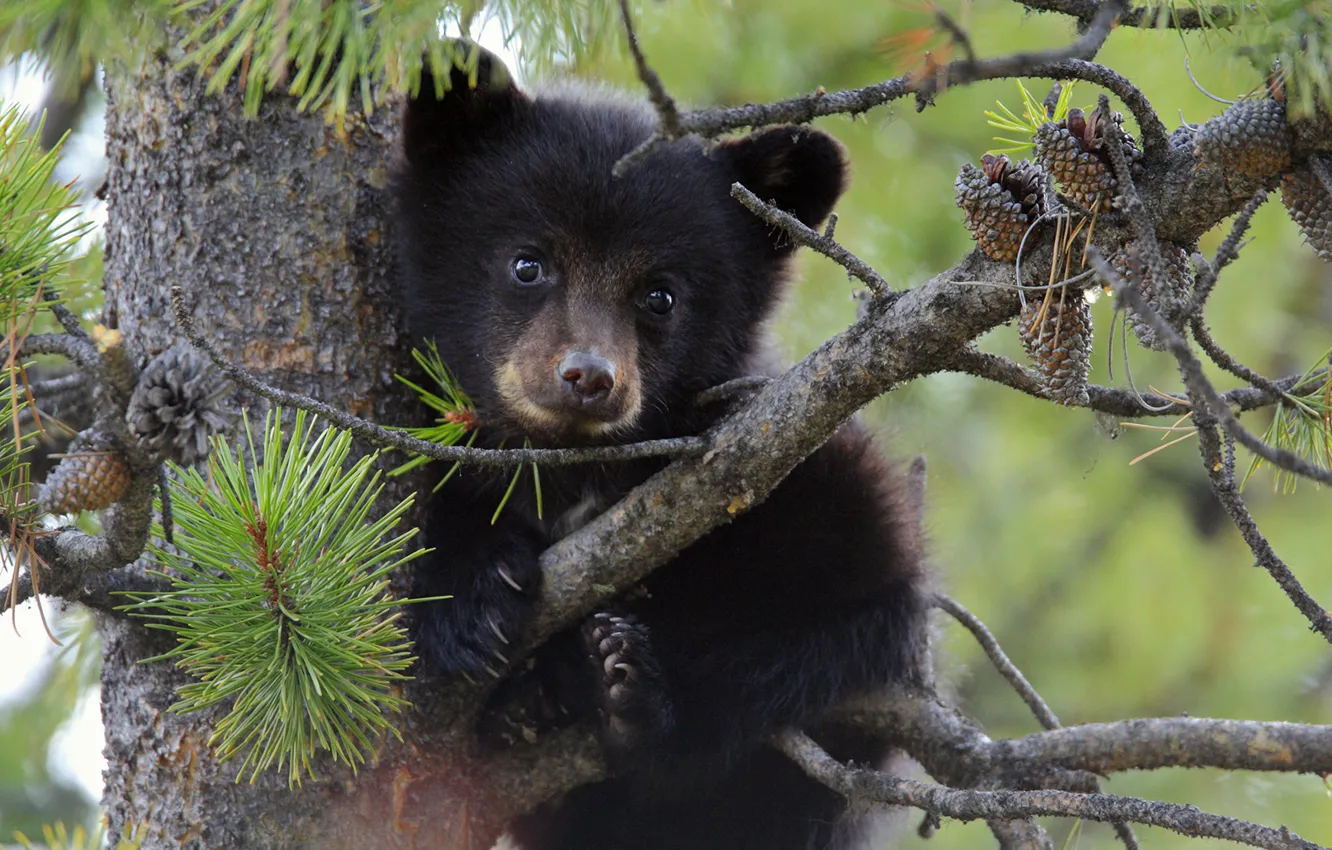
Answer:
(1002, 200)
(177, 405)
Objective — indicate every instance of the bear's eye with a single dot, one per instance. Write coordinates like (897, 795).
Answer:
(526, 270)
(659, 301)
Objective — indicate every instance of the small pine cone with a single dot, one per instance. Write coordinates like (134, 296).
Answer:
(1060, 345)
(91, 476)
(177, 405)
(1250, 138)
(1310, 207)
(1171, 300)
(1068, 150)
(999, 201)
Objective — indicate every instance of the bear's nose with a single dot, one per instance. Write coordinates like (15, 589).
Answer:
(590, 377)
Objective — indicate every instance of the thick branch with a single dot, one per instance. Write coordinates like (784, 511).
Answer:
(871, 785)
(1153, 743)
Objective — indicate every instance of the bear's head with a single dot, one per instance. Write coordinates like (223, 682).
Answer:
(575, 306)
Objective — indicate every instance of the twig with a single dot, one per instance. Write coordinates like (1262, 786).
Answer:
(999, 659)
(1065, 64)
(963, 71)
(664, 103)
(79, 350)
(870, 785)
(738, 386)
(372, 433)
(955, 31)
(811, 239)
(1114, 401)
(1044, 714)
(57, 386)
(1225, 254)
(63, 314)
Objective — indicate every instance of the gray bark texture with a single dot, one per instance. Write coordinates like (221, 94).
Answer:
(276, 229)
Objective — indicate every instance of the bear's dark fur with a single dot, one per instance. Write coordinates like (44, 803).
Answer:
(580, 308)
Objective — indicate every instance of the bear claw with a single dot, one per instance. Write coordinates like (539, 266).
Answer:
(632, 702)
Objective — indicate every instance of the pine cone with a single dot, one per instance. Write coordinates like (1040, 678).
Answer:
(1171, 300)
(1060, 345)
(999, 200)
(1071, 151)
(1310, 207)
(177, 404)
(1250, 138)
(91, 476)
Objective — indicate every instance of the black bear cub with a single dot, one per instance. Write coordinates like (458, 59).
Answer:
(579, 308)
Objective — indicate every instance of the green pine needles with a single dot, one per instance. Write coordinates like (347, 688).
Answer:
(280, 599)
(457, 415)
(457, 419)
(1033, 116)
(39, 233)
(1302, 424)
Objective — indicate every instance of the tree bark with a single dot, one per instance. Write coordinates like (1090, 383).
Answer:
(276, 229)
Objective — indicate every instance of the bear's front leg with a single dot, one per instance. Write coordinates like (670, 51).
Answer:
(492, 581)
(636, 712)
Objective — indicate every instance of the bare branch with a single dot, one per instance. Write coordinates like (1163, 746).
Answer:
(740, 386)
(1044, 715)
(875, 786)
(377, 435)
(79, 350)
(1114, 401)
(664, 103)
(1229, 250)
(1153, 743)
(63, 315)
(802, 235)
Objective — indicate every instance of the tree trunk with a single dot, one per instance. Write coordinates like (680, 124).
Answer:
(276, 229)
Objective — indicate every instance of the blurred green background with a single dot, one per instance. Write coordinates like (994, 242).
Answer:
(1121, 590)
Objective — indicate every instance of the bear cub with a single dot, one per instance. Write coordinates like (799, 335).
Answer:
(578, 308)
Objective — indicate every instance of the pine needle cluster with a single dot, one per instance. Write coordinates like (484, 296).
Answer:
(457, 419)
(334, 55)
(38, 234)
(280, 604)
(1302, 424)
(1034, 114)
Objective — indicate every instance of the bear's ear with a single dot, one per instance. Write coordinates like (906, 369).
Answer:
(481, 94)
(799, 169)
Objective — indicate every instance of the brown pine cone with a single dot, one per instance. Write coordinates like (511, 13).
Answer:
(91, 476)
(999, 200)
(1310, 206)
(1250, 139)
(1057, 334)
(1170, 300)
(1071, 152)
